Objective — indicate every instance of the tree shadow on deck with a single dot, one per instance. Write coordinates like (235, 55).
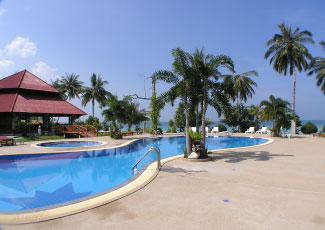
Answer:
(235, 157)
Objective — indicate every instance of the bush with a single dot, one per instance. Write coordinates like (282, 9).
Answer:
(116, 135)
(195, 137)
(222, 128)
(323, 130)
(309, 128)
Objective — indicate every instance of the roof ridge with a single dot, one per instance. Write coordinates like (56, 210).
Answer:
(13, 104)
(21, 80)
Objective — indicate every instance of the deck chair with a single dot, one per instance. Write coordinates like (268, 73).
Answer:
(215, 130)
(263, 130)
(250, 130)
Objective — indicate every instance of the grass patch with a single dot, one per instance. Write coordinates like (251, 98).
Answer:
(42, 138)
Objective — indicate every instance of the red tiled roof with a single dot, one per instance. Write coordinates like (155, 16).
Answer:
(27, 103)
(7, 101)
(44, 104)
(37, 96)
(26, 80)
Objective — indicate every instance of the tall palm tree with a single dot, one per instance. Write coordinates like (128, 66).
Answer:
(317, 66)
(94, 93)
(274, 109)
(70, 86)
(243, 85)
(180, 77)
(205, 68)
(287, 52)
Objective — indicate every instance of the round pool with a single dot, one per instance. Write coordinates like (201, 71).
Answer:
(42, 180)
(69, 144)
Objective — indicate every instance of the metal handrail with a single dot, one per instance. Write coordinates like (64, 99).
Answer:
(157, 150)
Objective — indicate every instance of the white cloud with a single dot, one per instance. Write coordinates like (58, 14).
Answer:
(21, 47)
(44, 71)
(2, 11)
(6, 63)
(6, 68)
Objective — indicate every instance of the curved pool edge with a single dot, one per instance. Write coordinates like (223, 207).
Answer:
(132, 185)
(270, 140)
(46, 147)
(146, 176)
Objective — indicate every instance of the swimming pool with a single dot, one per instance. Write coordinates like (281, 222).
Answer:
(69, 144)
(43, 180)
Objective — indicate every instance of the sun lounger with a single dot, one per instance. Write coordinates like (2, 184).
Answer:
(215, 130)
(226, 133)
(263, 130)
(250, 130)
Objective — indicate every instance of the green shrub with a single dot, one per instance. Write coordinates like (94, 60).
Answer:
(309, 128)
(116, 135)
(323, 130)
(172, 130)
(195, 137)
(222, 128)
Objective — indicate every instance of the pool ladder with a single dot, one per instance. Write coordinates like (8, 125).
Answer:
(152, 149)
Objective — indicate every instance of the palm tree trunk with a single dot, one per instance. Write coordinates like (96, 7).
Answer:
(293, 122)
(203, 123)
(93, 102)
(187, 132)
(197, 119)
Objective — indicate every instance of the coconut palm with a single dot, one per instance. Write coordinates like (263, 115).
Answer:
(288, 53)
(115, 111)
(94, 93)
(255, 111)
(133, 115)
(69, 86)
(205, 68)
(274, 109)
(180, 77)
(317, 66)
(56, 84)
(242, 85)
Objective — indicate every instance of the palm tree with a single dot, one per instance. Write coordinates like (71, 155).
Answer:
(95, 92)
(255, 110)
(56, 84)
(69, 86)
(115, 112)
(317, 66)
(205, 68)
(274, 109)
(242, 85)
(133, 115)
(180, 77)
(288, 53)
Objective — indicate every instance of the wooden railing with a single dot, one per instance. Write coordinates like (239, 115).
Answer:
(82, 130)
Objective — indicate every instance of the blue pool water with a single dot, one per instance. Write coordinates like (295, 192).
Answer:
(39, 180)
(63, 144)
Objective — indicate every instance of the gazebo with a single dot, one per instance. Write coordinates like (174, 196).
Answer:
(24, 96)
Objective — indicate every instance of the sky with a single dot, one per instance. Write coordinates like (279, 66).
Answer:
(127, 41)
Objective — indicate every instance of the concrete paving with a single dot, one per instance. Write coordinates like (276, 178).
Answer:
(275, 186)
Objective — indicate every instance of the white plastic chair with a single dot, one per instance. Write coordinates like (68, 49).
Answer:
(263, 130)
(250, 130)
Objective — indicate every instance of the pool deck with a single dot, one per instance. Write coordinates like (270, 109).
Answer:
(276, 186)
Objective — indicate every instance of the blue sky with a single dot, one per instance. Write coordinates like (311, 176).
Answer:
(126, 41)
